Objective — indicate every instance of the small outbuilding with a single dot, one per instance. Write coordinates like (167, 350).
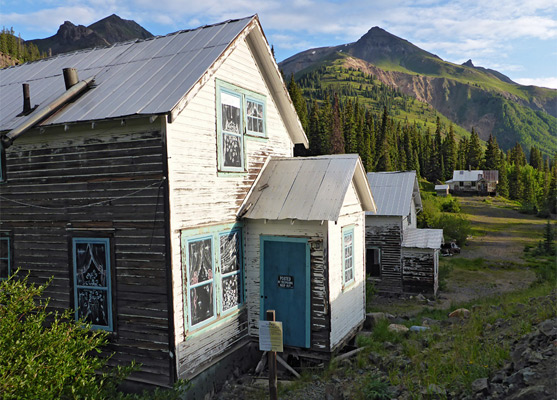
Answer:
(304, 223)
(400, 257)
(442, 190)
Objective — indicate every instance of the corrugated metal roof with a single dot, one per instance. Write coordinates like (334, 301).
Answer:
(423, 238)
(311, 188)
(441, 187)
(393, 191)
(134, 78)
(466, 175)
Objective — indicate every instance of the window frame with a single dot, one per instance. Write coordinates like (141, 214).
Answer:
(348, 230)
(214, 233)
(7, 236)
(211, 281)
(107, 242)
(244, 96)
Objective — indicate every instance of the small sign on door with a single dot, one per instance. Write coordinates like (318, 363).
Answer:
(285, 282)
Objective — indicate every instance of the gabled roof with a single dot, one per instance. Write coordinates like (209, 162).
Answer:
(394, 191)
(423, 238)
(464, 175)
(142, 77)
(310, 188)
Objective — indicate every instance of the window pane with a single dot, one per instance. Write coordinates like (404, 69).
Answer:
(230, 252)
(232, 146)
(200, 261)
(230, 113)
(201, 303)
(4, 269)
(231, 295)
(348, 272)
(255, 116)
(91, 264)
(92, 306)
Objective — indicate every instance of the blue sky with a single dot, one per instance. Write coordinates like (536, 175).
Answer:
(515, 37)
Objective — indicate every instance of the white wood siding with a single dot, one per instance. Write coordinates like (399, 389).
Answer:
(199, 195)
(347, 305)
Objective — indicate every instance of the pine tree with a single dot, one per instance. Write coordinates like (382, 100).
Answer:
(536, 158)
(449, 154)
(474, 154)
(349, 129)
(503, 184)
(299, 102)
(326, 126)
(462, 152)
(314, 132)
(337, 137)
(491, 154)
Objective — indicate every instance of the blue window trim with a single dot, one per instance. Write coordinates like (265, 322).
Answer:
(244, 96)
(209, 281)
(240, 272)
(108, 288)
(214, 233)
(258, 99)
(347, 230)
(5, 236)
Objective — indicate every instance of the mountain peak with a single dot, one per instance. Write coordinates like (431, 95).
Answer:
(469, 64)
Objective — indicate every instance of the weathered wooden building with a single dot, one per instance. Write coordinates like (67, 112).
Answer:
(125, 187)
(482, 182)
(400, 257)
(305, 223)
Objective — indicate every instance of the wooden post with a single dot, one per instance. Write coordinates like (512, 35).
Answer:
(272, 363)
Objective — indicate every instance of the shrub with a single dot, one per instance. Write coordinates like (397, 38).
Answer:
(375, 389)
(45, 355)
(450, 206)
(455, 227)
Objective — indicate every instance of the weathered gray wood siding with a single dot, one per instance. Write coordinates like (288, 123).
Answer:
(201, 196)
(419, 270)
(319, 274)
(386, 234)
(57, 177)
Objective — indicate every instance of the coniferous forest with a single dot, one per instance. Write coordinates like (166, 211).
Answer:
(355, 113)
(14, 46)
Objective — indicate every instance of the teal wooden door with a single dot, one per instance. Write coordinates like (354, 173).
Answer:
(285, 286)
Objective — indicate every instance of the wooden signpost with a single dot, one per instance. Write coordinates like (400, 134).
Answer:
(270, 340)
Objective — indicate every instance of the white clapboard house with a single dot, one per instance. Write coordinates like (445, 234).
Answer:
(155, 181)
(400, 257)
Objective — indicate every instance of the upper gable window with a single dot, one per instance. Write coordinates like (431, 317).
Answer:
(240, 112)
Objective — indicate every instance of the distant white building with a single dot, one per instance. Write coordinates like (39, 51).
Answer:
(474, 181)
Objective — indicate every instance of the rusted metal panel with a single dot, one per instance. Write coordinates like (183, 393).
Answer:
(420, 274)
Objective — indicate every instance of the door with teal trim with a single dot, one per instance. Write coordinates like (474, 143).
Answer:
(285, 288)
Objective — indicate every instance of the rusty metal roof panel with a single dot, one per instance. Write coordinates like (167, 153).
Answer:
(311, 188)
(393, 192)
(423, 238)
(134, 78)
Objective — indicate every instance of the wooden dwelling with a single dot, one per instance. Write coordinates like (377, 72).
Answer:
(132, 186)
(480, 182)
(304, 222)
(399, 257)
(442, 190)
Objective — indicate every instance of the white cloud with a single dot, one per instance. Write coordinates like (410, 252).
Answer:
(550, 82)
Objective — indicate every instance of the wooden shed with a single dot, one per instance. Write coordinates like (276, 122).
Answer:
(400, 258)
(304, 224)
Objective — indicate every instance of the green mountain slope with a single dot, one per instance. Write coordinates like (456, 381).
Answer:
(469, 96)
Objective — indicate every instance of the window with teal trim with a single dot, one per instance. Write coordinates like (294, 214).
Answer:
(348, 255)
(213, 268)
(5, 255)
(92, 281)
(240, 112)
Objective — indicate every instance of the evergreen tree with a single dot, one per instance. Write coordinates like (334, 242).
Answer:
(299, 102)
(337, 137)
(474, 154)
(449, 154)
(549, 239)
(462, 152)
(503, 185)
(491, 160)
(536, 158)
(349, 129)
(517, 156)
(326, 126)
(314, 133)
